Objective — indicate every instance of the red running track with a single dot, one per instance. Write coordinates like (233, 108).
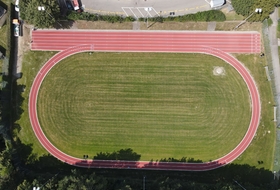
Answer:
(149, 41)
(75, 48)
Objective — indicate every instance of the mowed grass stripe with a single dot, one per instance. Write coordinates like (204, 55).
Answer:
(160, 105)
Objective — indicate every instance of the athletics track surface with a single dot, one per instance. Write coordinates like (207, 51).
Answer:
(218, 44)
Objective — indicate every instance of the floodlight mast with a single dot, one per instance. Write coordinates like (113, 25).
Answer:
(147, 9)
(257, 10)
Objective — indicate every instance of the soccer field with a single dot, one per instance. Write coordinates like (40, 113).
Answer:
(160, 105)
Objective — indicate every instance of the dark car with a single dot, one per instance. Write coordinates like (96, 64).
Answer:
(69, 5)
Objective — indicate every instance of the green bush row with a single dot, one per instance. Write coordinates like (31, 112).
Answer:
(212, 15)
(95, 17)
(206, 16)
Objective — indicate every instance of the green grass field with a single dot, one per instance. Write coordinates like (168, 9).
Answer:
(160, 105)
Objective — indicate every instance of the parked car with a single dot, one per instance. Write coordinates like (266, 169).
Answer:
(16, 27)
(69, 5)
(17, 6)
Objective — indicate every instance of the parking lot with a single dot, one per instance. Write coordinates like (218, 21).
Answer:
(145, 8)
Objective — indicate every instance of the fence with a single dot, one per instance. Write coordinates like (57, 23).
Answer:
(267, 47)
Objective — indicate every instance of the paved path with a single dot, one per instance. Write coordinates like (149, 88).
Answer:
(124, 41)
(274, 53)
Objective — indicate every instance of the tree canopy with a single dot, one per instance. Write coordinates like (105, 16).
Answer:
(247, 7)
(43, 18)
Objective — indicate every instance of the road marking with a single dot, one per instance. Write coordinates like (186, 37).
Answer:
(140, 10)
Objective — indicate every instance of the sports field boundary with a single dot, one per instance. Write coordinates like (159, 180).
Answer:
(231, 156)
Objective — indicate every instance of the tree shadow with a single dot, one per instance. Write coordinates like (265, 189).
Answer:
(17, 101)
(24, 151)
(3, 50)
(183, 159)
(47, 163)
(63, 24)
(247, 176)
(122, 154)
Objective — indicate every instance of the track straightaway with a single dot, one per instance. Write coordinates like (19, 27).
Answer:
(138, 42)
(148, 41)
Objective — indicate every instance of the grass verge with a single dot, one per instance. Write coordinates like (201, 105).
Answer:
(32, 62)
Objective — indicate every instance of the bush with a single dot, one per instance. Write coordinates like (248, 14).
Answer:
(269, 22)
(206, 16)
(72, 15)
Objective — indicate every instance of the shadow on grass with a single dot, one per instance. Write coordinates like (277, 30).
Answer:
(3, 50)
(122, 154)
(17, 102)
(183, 159)
(63, 24)
(25, 157)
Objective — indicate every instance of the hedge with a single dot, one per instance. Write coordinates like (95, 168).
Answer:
(206, 16)
(72, 15)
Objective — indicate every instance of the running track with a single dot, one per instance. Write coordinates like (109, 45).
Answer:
(218, 44)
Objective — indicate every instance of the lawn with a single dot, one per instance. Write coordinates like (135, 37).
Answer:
(32, 62)
(260, 153)
(160, 105)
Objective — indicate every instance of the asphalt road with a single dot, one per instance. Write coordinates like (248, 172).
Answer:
(136, 8)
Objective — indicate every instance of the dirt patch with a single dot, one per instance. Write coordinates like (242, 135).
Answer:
(220, 26)
(228, 26)
(101, 25)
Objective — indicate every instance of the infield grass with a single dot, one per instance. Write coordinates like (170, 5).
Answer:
(160, 105)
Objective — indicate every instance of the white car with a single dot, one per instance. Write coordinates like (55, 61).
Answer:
(17, 6)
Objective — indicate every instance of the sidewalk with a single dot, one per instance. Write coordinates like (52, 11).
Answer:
(275, 57)
(272, 34)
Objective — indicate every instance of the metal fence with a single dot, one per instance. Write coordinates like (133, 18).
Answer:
(266, 42)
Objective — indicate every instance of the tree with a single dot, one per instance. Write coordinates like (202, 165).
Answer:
(76, 180)
(243, 7)
(43, 18)
(247, 7)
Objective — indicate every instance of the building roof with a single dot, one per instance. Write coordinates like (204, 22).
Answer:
(2, 11)
(216, 3)
(3, 16)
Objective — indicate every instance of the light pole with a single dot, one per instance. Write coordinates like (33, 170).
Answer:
(42, 8)
(257, 10)
(147, 9)
(38, 188)
(144, 182)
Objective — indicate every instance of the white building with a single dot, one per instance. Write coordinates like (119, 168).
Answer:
(216, 3)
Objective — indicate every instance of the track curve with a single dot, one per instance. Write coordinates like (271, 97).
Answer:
(239, 149)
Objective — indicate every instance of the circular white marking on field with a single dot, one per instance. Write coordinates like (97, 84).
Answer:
(219, 71)
(268, 131)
